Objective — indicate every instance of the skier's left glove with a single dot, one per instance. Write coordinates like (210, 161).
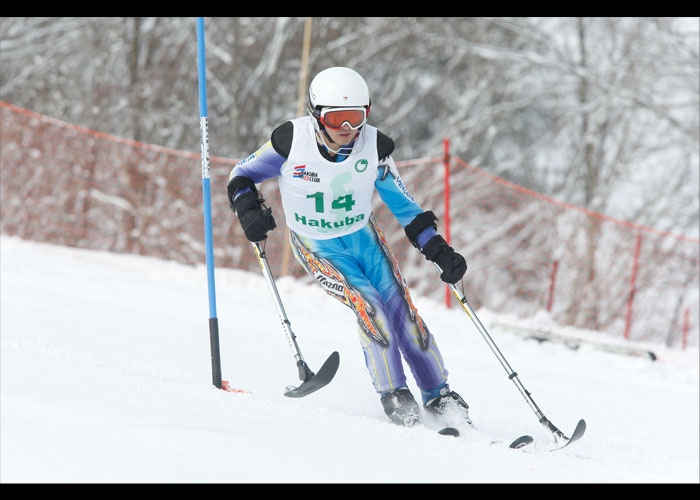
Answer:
(453, 265)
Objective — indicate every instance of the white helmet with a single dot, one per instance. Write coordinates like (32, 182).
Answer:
(337, 87)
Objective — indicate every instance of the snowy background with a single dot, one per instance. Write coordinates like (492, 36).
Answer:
(106, 377)
(105, 363)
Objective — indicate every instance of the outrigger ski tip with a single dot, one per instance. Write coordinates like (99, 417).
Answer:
(577, 434)
(312, 383)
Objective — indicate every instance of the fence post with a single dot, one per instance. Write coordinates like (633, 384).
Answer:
(553, 280)
(446, 195)
(633, 280)
(301, 100)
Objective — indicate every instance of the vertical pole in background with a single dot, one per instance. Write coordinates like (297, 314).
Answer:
(633, 286)
(206, 191)
(446, 162)
(301, 100)
(686, 328)
(552, 284)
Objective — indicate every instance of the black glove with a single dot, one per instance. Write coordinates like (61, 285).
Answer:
(452, 264)
(256, 222)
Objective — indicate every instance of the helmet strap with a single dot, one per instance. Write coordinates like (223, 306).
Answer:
(342, 150)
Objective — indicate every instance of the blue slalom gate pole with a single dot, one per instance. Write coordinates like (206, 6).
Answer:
(206, 192)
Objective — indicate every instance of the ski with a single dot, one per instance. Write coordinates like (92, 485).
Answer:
(518, 443)
(312, 382)
(525, 440)
(449, 431)
(521, 442)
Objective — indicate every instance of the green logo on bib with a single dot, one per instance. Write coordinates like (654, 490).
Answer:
(361, 165)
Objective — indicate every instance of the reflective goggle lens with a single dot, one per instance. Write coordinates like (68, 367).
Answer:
(335, 118)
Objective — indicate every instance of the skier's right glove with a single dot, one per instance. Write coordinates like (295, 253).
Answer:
(256, 222)
(453, 265)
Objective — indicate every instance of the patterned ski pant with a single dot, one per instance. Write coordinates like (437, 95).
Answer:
(360, 270)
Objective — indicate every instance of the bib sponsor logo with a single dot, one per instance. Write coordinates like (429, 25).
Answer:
(300, 172)
(324, 224)
(361, 165)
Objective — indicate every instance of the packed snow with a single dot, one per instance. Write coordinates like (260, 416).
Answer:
(106, 377)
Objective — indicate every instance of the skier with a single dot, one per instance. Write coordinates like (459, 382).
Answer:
(328, 165)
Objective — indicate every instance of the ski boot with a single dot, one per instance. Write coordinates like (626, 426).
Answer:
(401, 407)
(449, 407)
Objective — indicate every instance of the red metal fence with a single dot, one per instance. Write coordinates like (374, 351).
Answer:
(65, 184)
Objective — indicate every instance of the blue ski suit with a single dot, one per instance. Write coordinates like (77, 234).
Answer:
(357, 267)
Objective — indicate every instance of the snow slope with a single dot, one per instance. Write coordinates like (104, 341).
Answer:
(106, 377)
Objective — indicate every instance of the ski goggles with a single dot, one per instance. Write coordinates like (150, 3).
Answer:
(335, 118)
